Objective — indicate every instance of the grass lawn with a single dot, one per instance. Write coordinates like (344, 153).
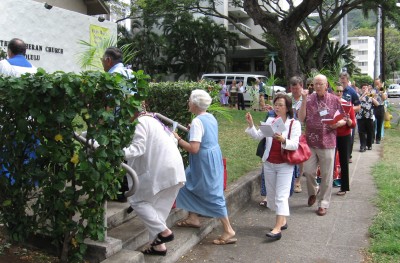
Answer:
(237, 147)
(385, 230)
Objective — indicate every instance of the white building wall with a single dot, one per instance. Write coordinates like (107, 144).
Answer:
(56, 32)
(363, 49)
(364, 52)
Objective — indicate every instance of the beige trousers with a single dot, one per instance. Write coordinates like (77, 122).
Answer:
(325, 158)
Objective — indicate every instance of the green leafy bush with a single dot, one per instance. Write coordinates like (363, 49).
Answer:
(361, 79)
(50, 183)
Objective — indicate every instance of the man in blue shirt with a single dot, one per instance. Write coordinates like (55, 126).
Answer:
(112, 62)
(16, 64)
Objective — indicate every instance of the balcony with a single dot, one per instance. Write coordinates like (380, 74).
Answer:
(241, 47)
(237, 11)
(232, 28)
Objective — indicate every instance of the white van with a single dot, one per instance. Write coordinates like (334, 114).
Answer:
(247, 79)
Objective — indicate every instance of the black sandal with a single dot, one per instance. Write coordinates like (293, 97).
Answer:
(152, 252)
(161, 240)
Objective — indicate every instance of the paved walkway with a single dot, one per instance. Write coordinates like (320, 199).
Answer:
(340, 236)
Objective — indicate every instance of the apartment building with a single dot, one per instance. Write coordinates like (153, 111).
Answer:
(249, 55)
(363, 49)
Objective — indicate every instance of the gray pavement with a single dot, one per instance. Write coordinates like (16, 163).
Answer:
(339, 236)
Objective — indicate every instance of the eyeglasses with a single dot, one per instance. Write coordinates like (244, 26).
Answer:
(279, 105)
(310, 85)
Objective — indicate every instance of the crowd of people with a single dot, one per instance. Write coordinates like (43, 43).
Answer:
(154, 154)
(233, 95)
(315, 108)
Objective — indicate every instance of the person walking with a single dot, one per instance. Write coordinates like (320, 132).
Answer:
(350, 94)
(379, 109)
(240, 96)
(261, 92)
(203, 192)
(278, 174)
(296, 87)
(155, 157)
(343, 142)
(233, 94)
(365, 118)
(321, 139)
(223, 93)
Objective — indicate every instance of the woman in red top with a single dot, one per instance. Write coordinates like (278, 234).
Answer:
(343, 141)
(278, 174)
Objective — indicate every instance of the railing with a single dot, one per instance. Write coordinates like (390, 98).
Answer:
(168, 120)
(132, 176)
(242, 26)
(130, 172)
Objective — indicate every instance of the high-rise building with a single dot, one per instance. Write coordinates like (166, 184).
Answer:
(363, 50)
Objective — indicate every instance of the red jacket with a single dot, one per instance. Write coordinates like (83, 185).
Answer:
(346, 130)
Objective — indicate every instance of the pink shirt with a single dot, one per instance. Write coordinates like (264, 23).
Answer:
(319, 135)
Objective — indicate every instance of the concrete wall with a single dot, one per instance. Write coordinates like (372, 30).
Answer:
(52, 35)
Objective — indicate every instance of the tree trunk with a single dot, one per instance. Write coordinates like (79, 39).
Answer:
(290, 54)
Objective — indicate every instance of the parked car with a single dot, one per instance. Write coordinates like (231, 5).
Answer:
(393, 90)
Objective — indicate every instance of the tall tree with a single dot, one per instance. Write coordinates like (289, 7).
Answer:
(195, 46)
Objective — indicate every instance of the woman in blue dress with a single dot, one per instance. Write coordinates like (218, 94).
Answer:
(203, 192)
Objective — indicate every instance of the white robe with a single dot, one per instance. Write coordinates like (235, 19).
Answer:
(14, 71)
(155, 157)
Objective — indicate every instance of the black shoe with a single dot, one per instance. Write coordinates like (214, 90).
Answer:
(362, 150)
(284, 227)
(161, 240)
(276, 236)
(369, 148)
(153, 252)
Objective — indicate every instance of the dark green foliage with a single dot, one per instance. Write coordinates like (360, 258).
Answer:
(336, 55)
(360, 79)
(196, 46)
(60, 193)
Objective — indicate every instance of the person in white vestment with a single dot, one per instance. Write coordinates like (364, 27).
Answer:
(155, 157)
(16, 64)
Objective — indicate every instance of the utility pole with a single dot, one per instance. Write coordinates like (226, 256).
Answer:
(383, 77)
(377, 64)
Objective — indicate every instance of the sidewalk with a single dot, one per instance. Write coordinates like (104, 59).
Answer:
(340, 236)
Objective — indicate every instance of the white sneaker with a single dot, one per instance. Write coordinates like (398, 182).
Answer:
(297, 188)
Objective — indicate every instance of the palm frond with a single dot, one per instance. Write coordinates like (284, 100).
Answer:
(90, 57)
